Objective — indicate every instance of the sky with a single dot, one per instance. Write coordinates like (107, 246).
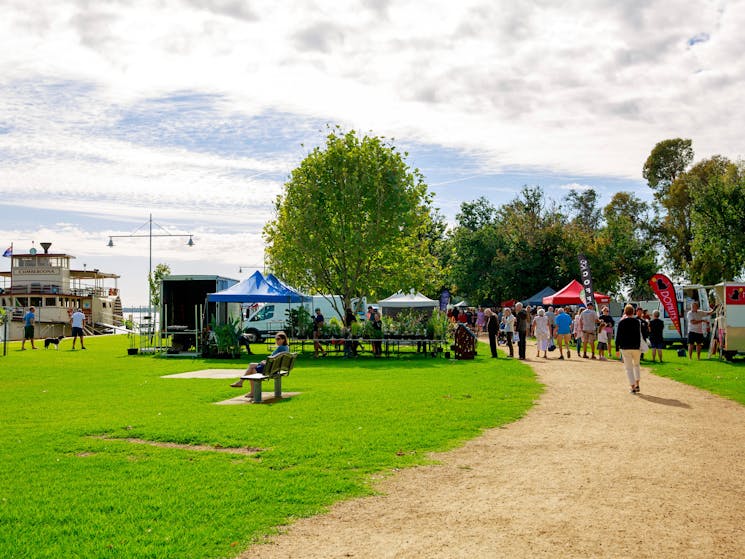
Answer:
(196, 111)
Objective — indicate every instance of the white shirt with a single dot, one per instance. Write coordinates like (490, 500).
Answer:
(509, 322)
(589, 320)
(77, 319)
(697, 327)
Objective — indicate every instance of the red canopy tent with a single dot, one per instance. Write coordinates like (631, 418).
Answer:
(570, 295)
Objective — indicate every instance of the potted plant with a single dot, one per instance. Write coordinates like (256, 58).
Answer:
(227, 338)
(335, 328)
(355, 329)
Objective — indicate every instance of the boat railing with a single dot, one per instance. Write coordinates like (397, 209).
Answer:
(35, 288)
(56, 289)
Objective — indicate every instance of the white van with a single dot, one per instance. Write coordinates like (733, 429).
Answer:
(266, 319)
(686, 295)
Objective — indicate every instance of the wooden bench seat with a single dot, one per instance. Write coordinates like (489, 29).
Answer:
(277, 366)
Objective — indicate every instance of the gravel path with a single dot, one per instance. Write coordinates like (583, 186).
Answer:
(591, 471)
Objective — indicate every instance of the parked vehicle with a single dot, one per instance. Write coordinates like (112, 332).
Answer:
(266, 319)
(686, 295)
(729, 324)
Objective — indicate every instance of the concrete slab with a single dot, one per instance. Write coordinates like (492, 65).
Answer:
(266, 398)
(210, 373)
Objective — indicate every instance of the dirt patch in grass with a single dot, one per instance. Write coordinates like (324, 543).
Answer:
(197, 447)
(590, 471)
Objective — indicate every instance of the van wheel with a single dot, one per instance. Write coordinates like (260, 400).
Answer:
(253, 336)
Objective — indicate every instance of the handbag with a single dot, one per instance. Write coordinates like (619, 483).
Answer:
(643, 346)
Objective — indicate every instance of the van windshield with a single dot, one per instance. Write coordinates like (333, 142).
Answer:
(265, 313)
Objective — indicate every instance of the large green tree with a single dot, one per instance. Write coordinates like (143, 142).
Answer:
(717, 195)
(582, 209)
(665, 171)
(668, 160)
(354, 219)
(629, 244)
(475, 242)
(677, 228)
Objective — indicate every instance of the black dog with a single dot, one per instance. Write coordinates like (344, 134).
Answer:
(50, 341)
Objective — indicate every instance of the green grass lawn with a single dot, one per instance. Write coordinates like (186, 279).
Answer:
(67, 492)
(719, 377)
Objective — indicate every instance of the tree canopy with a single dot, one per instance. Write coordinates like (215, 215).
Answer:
(354, 220)
(701, 230)
(668, 159)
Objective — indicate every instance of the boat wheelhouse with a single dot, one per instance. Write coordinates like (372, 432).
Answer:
(47, 282)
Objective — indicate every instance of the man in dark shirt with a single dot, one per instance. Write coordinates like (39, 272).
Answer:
(522, 324)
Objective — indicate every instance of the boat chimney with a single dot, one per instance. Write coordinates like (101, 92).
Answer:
(45, 246)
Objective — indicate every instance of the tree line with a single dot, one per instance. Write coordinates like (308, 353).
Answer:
(355, 220)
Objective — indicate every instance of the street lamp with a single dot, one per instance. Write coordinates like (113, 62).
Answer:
(149, 235)
(243, 268)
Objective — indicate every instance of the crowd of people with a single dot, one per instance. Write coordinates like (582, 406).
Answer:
(589, 333)
(553, 328)
(572, 328)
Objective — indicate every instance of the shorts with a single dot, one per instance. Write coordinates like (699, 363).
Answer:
(260, 368)
(656, 344)
(28, 332)
(602, 345)
(588, 337)
(77, 331)
(695, 338)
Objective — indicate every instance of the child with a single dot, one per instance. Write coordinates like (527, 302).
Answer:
(602, 342)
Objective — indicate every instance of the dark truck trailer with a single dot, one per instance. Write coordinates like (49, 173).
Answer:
(184, 307)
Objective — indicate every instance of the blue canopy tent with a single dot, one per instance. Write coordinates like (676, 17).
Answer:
(279, 284)
(258, 289)
(537, 299)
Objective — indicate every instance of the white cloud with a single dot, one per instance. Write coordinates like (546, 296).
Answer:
(576, 186)
(90, 121)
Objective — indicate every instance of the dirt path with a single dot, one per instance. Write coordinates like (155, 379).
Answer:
(591, 471)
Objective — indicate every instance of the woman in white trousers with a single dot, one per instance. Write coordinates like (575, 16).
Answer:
(628, 340)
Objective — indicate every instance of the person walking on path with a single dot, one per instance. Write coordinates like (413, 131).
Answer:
(480, 320)
(628, 341)
(492, 329)
(588, 325)
(76, 321)
(577, 330)
(523, 325)
(508, 320)
(551, 316)
(542, 333)
(28, 328)
(563, 332)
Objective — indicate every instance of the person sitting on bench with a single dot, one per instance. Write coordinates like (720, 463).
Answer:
(282, 346)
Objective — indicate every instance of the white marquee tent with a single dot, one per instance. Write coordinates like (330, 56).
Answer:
(400, 301)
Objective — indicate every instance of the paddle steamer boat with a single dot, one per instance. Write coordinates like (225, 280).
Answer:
(47, 282)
